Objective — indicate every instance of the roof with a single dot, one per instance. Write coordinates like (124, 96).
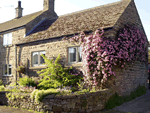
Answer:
(86, 20)
(15, 23)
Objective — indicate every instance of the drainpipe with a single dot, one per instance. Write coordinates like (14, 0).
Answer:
(16, 63)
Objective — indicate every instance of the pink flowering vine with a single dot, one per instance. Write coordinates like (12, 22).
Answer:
(101, 54)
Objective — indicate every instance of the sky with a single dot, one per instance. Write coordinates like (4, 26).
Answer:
(7, 8)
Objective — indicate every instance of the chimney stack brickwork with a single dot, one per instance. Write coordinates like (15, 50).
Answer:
(19, 10)
(49, 5)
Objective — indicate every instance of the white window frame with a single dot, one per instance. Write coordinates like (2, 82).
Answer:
(34, 65)
(77, 54)
(7, 70)
(8, 38)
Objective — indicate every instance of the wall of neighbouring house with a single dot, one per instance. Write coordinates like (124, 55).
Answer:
(7, 54)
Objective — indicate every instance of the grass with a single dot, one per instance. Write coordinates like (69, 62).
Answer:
(117, 100)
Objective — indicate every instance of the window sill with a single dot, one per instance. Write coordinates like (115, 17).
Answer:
(38, 67)
(8, 45)
(74, 64)
(7, 75)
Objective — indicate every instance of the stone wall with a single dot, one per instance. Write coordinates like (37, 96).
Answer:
(132, 75)
(3, 98)
(85, 103)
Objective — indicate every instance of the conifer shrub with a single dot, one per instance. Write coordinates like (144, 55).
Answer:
(56, 75)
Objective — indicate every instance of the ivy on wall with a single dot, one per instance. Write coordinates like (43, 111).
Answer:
(100, 55)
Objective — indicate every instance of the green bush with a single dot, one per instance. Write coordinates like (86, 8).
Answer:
(55, 75)
(1, 82)
(2, 88)
(26, 81)
(117, 100)
(38, 95)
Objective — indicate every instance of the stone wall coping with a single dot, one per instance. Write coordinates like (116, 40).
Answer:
(54, 96)
(2, 92)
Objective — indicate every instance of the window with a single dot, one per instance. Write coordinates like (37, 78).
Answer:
(74, 54)
(7, 70)
(7, 39)
(37, 59)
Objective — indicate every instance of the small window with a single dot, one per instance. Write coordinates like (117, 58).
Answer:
(7, 70)
(7, 39)
(37, 59)
(74, 54)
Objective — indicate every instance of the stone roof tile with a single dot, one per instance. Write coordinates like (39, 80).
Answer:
(86, 20)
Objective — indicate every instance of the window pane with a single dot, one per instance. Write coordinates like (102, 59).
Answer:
(9, 69)
(9, 38)
(5, 39)
(5, 69)
(79, 53)
(41, 58)
(72, 54)
(35, 58)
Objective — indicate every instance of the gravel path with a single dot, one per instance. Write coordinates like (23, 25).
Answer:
(4, 109)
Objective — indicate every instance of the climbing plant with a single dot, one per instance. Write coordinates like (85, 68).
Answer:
(101, 54)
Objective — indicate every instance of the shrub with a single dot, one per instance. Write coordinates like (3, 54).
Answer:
(2, 88)
(38, 95)
(55, 75)
(26, 81)
(1, 82)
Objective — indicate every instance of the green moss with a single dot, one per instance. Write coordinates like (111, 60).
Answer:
(117, 100)
(84, 102)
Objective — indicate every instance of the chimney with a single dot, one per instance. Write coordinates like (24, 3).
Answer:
(19, 10)
(49, 5)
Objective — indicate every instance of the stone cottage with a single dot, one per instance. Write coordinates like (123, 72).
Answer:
(25, 38)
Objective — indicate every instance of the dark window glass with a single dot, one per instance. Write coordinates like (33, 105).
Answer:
(5, 69)
(9, 69)
(41, 58)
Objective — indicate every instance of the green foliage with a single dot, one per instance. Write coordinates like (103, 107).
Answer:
(22, 97)
(38, 95)
(141, 90)
(117, 100)
(32, 96)
(26, 81)
(2, 88)
(1, 82)
(10, 96)
(84, 102)
(55, 75)
(74, 89)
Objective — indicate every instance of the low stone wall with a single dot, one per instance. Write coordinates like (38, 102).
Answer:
(85, 103)
(3, 98)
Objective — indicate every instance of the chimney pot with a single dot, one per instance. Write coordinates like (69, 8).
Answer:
(19, 10)
(19, 3)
